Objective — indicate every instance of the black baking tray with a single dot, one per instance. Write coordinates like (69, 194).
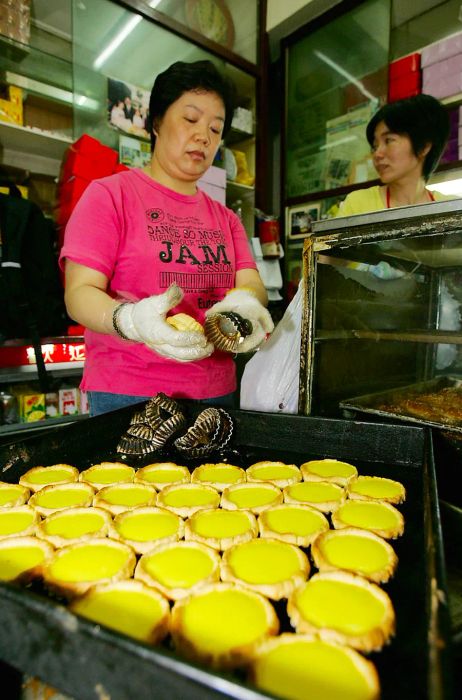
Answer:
(371, 403)
(40, 637)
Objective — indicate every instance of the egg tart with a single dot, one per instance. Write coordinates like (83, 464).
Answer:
(12, 495)
(107, 473)
(219, 475)
(121, 497)
(221, 625)
(343, 608)
(179, 569)
(184, 322)
(23, 558)
(378, 517)
(377, 488)
(256, 497)
(163, 474)
(38, 477)
(328, 470)
(72, 570)
(270, 567)
(357, 551)
(322, 495)
(297, 666)
(127, 606)
(73, 525)
(20, 521)
(62, 496)
(221, 529)
(292, 523)
(277, 473)
(145, 528)
(186, 499)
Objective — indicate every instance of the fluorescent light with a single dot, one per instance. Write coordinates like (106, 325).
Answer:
(345, 74)
(449, 187)
(121, 36)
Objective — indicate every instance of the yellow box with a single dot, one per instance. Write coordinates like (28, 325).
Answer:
(11, 113)
(32, 407)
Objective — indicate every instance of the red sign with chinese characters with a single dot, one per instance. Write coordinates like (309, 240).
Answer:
(53, 353)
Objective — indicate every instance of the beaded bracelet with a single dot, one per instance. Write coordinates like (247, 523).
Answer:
(115, 321)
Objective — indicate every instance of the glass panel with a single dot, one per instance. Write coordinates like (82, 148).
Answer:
(415, 25)
(336, 78)
(218, 20)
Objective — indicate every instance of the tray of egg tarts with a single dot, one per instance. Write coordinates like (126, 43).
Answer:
(302, 560)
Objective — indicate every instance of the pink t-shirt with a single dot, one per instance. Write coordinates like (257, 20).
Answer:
(143, 237)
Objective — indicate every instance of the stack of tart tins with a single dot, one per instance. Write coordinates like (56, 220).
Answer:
(203, 560)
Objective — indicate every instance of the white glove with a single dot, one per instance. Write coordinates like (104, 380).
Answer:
(144, 321)
(246, 304)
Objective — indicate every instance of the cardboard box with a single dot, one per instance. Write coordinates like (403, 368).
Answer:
(11, 110)
(441, 50)
(32, 407)
(402, 66)
(407, 85)
(242, 120)
(213, 182)
(69, 400)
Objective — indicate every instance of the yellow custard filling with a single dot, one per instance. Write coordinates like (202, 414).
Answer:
(355, 552)
(330, 468)
(73, 525)
(330, 672)
(293, 520)
(10, 494)
(351, 609)
(109, 475)
(132, 612)
(61, 498)
(377, 488)
(220, 523)
(219, 474)
(367, 515)
(252, 496)
(259, 561)
(16, 560)
(179, 567)
(180, 497)
(87, 563)
(49, 475)
(147, 526)
(221, 620)
(162, 475)
(273, 472)
(132, 496)
(11, 522)
(315, 492)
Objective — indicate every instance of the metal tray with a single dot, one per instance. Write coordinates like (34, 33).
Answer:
(40, 637)
(371, 403)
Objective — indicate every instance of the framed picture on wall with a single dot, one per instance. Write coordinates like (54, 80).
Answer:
(299, 219)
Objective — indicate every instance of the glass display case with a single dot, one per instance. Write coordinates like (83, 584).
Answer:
(382, 326)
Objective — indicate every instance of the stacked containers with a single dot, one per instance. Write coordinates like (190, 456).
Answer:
(442, 67)
(404, 77)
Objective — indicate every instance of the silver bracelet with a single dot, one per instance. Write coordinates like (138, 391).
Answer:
(115, 321)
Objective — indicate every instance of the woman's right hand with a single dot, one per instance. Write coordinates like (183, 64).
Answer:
(144, 322)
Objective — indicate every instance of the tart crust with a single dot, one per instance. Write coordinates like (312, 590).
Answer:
(293, 523)
(74, 569)
(119, 498)
(267, 566)
(53, 528)
(12, 495)
(39, 477)
(223, 613)
(13, 567)
(355, 563)
(250, 499)
(278, 473)
(20, 521)
(152, 613)
(289, 664)
(162, 474)
(187, 499)
(221, 529)
(323, 495)
(376, 488)
(349, 587)
(331, 470)
(107, 473)
(185, 557)
(64, 496)
(147, 518)
(219, 475)
(378, 517)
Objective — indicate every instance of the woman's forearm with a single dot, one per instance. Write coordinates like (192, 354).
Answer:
(91, 307)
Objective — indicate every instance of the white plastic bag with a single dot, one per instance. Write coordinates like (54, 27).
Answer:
(270, 379)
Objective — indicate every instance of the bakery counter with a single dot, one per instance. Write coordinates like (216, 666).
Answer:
(41, 637)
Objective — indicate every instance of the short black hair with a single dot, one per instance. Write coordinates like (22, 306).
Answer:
(182, 77)
(423, 119)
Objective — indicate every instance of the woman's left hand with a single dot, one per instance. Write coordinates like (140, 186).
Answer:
(245, 303)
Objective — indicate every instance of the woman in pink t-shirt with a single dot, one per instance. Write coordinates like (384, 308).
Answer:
(148, 242)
